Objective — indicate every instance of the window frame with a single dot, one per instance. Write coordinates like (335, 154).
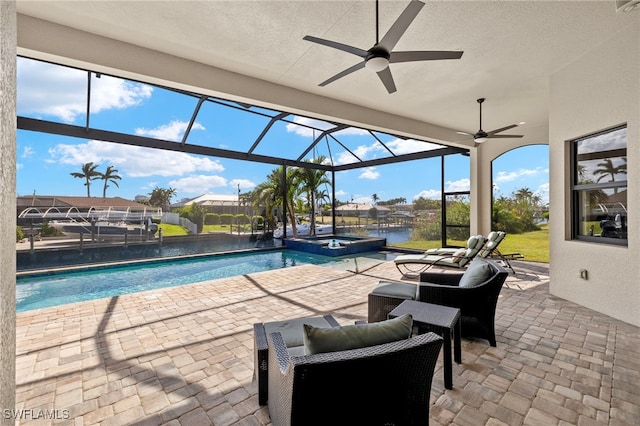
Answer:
(576, 189)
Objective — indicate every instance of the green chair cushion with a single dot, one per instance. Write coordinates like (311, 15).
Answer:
(321, 340)
(477, 272)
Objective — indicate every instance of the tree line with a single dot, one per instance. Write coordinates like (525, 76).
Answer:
(300, 189)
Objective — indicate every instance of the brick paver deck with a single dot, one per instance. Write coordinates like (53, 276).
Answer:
(183, 355)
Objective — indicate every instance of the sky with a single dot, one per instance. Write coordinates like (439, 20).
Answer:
(45, 162)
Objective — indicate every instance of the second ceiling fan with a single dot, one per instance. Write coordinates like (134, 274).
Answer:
(482, 136)
(381, 54)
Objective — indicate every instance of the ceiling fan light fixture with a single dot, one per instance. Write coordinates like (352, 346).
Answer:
(480, 139)
(377, 63)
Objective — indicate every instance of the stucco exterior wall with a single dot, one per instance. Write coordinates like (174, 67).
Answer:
(597, 91)
(7, 209)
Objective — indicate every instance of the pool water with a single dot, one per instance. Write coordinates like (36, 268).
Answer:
(52, 289)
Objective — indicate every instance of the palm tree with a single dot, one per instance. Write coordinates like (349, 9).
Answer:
(161, 197)
(110, 175)
(375, 198)
(308, 181)
(262, 198)
(606, 168)
(322, 199)
(270, 194)
(88, 173)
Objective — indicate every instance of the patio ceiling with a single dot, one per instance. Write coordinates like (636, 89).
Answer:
(510, 50)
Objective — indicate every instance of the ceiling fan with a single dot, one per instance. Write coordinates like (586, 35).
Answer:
(378, 58)
(482, 136)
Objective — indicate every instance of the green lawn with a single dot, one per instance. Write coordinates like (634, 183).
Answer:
(169, 230)
(534, 246)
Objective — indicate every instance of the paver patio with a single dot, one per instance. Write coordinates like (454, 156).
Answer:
(184, 355)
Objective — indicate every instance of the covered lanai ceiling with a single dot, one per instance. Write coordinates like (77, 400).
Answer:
(254, 51)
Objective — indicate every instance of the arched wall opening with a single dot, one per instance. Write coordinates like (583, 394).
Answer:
(520, 200)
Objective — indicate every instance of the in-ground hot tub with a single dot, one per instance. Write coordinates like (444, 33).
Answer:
(335, 245)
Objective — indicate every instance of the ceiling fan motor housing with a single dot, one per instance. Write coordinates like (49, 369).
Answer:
(378, 58)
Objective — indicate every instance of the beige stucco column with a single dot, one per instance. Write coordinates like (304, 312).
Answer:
(481, 190)
(7, 209)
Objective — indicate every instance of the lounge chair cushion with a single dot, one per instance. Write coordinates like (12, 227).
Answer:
(458, 254)
(477, 272)
(493, 240)
(475, 242)
(322, 340)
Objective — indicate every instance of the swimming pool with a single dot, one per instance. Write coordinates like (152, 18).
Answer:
(52, 289)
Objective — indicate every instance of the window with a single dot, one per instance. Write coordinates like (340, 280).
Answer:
(599, 187)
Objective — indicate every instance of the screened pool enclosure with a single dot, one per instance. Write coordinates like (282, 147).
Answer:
(103, 111)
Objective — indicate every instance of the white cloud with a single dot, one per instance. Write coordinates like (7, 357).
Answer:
(511, 176)
(27, 152)
(431, 194)
(543, 192)
(362, 152)
(345, 157)
(450, 186)
(110, 92)
(150, 186)
(369, 173)
(173, 131)
(362, 199)
(408, 146)
(50, 90)
(458, 185)
(245, 184)
(397, 146)
(340, 193)
(198, 184)
(318, 124)
(133, 161)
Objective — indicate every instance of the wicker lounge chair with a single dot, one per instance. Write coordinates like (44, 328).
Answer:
(490, 247)
(411, 265)
(388, 384)
(477, 303)
(490, 250)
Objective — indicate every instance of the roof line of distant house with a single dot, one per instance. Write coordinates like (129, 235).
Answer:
(74, 201)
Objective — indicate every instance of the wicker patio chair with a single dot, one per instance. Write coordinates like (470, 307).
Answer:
(261, 345)
(387, 384)
(477, 304)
